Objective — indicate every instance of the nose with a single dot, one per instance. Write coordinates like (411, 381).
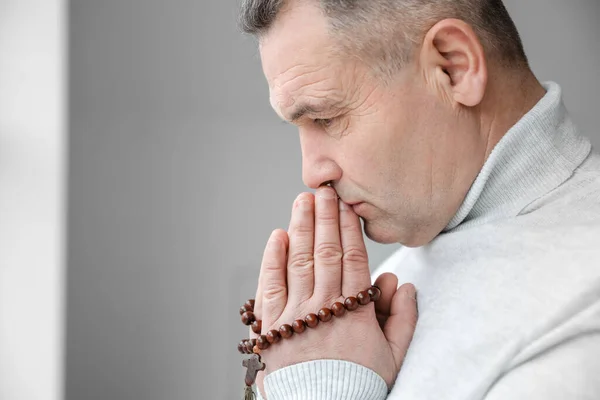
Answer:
(318, 155)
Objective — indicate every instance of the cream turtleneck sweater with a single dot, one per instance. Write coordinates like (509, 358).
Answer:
(508, 293)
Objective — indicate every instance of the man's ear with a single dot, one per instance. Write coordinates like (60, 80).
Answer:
(452, 56)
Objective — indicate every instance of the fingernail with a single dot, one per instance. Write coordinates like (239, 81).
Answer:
(304, 205)
(409, 291)
(327, 193)
(342, 206)
(273, 244)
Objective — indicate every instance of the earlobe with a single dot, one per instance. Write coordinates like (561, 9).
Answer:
(455, 58)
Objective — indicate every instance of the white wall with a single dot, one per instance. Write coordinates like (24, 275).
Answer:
(32, 183)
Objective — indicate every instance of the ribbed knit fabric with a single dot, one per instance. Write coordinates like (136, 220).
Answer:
(539, 153)
(324, 380)
(508, 293)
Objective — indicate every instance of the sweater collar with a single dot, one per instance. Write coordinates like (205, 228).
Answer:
(538, 154)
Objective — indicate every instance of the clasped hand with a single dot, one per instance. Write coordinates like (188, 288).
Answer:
(320, 260)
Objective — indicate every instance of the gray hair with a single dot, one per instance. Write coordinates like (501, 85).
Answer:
(384, 33)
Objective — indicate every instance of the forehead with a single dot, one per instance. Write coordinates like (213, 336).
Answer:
(299, 58)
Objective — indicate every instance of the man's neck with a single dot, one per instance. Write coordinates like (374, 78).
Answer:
(512, 95)
(535, 156)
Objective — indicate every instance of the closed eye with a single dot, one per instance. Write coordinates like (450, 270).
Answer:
(324, 122)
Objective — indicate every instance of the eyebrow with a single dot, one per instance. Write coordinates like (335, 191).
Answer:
(305, 108)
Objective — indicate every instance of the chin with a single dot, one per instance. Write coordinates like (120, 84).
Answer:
(379, 234)
(386, 234)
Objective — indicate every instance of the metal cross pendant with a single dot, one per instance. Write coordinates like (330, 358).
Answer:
(253, 365)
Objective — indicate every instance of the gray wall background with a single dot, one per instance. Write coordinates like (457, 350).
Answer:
(179, 170)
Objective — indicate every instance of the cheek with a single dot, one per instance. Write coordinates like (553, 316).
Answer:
(392, 154)
(370, 157)
(390, 142)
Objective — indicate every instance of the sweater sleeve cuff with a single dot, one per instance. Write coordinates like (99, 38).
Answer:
(325, 380)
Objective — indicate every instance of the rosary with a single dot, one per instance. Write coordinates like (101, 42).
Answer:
(254, 346)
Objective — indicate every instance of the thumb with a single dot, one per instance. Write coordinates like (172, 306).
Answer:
(402, 321)
(388, 284)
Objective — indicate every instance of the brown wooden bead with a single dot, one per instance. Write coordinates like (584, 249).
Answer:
(325, 314)
(299, 326)
(363, 298)
(286, 331)
(262, 342)
(351, 303)
(257, 326)
(338, 309)
(249, 346)
(273, 336)
(242, 347)
(374, 293)
(311, 320)
(244, 308)
(250, 304)
(248, 318)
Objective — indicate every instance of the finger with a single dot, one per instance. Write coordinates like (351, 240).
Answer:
(328, 247)
(258, 304)
(300, 273)
(401, 323)
(356, 276)
(388, 283)
(273, 278)
(258, 313)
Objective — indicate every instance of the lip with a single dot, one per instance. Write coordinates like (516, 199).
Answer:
(355, 206)
(350, 203)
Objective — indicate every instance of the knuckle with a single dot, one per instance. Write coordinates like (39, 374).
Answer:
(271, 265)
(274, 292)
(355, 255)
(301, 261)
(327, 218)
(303, 230)
(328, 252)
(346, 226)
(351, 227)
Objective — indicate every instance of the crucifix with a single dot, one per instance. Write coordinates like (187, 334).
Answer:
(253, 365)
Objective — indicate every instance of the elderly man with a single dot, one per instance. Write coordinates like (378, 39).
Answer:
(424, 118)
